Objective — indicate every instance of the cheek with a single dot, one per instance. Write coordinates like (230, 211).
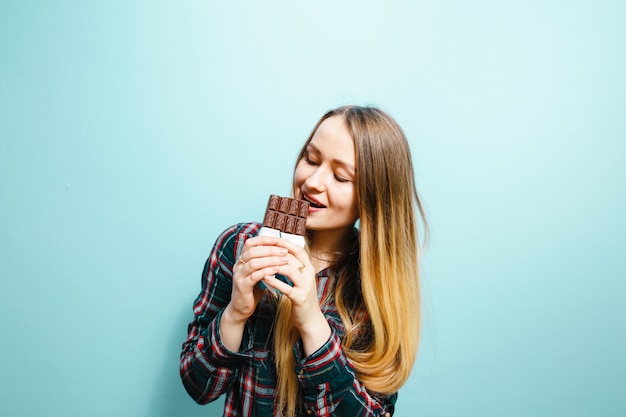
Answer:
(350, 201)
(299, 175)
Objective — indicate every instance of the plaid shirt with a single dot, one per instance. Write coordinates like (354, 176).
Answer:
(248, 377)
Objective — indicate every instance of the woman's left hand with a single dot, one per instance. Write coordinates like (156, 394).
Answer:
(306, 314)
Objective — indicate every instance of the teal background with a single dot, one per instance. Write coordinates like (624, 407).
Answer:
(132, 133)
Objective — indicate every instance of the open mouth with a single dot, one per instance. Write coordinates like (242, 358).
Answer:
(312, 202)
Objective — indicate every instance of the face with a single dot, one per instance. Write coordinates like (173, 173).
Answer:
(326, 177)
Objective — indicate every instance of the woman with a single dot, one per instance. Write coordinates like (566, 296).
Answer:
(343, 339)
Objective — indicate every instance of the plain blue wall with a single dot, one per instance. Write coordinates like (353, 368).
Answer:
(132, 133)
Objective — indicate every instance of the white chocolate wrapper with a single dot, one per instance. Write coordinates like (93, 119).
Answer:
(297, 239)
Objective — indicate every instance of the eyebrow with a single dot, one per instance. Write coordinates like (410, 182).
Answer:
(344, 164)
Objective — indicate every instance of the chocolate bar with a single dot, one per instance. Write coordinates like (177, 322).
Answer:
(286, 215)
(285, 218)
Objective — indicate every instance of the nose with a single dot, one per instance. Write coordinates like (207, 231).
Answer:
(315, 181)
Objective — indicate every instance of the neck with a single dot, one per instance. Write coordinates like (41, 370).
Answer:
(325, 246)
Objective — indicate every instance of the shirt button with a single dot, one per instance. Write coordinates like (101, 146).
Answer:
(388, 415)
(309, 412)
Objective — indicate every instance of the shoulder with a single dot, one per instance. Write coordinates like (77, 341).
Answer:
(235, 234)
(247, 229)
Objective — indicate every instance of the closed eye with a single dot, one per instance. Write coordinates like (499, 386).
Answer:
(309, 160)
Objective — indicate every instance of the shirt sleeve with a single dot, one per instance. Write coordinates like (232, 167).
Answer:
(330, 386)
(207, 367)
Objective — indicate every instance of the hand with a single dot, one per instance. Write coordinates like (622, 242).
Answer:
(260, 258)
(307, 316)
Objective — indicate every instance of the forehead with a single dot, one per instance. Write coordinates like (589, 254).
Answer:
(333, 138)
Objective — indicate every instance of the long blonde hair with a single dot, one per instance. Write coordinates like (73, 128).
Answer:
(377, 291)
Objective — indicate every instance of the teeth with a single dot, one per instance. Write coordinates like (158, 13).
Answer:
(314, 204)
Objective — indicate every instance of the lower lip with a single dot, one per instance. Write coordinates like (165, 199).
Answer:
(314, 209)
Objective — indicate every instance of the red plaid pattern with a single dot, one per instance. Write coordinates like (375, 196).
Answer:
(248, 377)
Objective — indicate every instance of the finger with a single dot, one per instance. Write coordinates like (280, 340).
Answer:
(298, 252)
(240, 262)
(273, 282)
(261, 252)
(258, 275)
(296, 272)
(259, 264)
(261, 241)
(291, 246)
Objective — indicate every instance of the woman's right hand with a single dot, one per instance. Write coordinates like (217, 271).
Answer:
(259, 258)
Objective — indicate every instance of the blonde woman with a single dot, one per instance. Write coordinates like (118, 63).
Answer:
(343, 338)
